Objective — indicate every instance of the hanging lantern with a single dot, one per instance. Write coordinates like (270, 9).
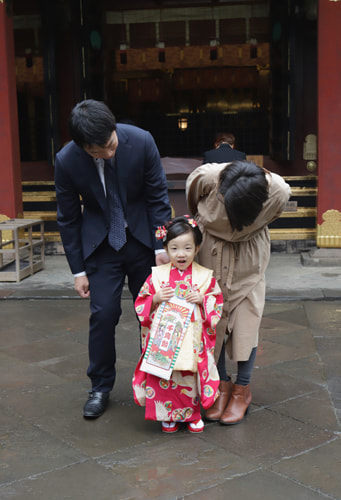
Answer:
(29, 58)
(253, 48)
(182, 123)
(162, 55)
(213, 50)
(123, 53)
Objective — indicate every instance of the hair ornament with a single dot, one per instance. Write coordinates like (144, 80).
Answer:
(160, 233)
(191, 221)
(164, 284)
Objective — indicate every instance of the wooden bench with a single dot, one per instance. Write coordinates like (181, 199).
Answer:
(23, 253)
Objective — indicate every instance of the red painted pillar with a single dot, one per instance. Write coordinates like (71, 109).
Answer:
(10, 172)
(329, 125)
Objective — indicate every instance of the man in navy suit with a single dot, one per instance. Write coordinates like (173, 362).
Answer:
(224, 150)
(106, 161)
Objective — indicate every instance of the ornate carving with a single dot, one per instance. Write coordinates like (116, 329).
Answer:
(329, 232)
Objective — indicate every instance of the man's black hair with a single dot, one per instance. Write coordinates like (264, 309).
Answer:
(91, 122)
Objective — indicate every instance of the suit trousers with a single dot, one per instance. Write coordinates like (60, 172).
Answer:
(107, 271)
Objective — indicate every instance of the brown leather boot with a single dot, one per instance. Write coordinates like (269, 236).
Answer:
(214, 413)
(238, 405)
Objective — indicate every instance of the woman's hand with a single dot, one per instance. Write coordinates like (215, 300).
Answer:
(161, 258)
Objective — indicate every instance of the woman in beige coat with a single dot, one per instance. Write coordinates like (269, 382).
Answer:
(233, 204)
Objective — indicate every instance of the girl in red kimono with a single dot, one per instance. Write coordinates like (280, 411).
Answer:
(192, 378)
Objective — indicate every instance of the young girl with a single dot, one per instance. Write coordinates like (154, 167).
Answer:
(192, 377)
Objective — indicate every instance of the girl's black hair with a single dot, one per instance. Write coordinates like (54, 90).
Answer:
(181, 225)
(91, 122)
(244, 188)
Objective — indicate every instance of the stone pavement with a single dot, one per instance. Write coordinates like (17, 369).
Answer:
(288, 446)
(286, 277)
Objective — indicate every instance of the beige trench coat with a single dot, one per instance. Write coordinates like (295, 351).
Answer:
(238, 258)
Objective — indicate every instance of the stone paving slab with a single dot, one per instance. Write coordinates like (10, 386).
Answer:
(319, 468)
(83, 480)
(196, 464)
(28, 450)
(259, 485)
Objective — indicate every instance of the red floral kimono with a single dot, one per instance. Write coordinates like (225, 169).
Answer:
(195, 378)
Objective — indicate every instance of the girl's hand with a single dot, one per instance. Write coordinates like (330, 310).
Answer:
(195, 297)
(163, 294)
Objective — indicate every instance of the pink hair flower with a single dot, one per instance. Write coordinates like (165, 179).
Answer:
(191, 221)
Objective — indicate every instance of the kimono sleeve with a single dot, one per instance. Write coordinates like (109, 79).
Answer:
(144, 302)
(212, 305)
(208, 376)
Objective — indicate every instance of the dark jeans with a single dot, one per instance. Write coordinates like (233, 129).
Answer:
(244, 367)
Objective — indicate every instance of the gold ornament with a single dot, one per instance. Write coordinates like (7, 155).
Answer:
(329, 232)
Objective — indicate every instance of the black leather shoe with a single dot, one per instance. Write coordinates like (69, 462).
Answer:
(96, 404)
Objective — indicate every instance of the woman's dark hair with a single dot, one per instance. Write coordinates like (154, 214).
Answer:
(91, 122)
(181, 225)
(244, 188)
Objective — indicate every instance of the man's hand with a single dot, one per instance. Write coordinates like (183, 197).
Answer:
(82, 286)
(161, 258)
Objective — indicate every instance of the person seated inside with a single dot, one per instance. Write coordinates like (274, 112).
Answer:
(224, 150)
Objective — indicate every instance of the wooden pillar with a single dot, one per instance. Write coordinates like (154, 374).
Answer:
(10, 173)
(329, 125)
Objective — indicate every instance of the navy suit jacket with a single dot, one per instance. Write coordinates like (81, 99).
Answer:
(223, 154)
(82, 211)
